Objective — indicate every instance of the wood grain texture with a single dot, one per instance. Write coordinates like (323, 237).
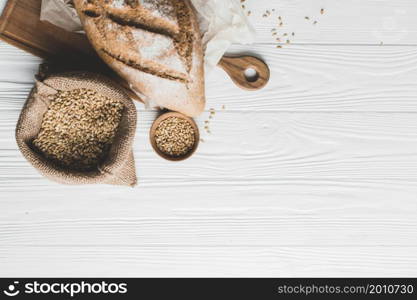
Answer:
(316, 175)
(269, 146)
(303, 78)
(327, 78)
(21, 26)
(362, 22)
(209, 261)
(290, 213)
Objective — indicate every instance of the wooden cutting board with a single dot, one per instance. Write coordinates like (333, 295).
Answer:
(20, 26)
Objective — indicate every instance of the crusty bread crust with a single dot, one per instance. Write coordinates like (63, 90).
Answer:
(155, 45)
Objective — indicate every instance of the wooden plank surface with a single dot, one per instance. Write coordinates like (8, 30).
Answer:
(289, 213)
(368, 22)
(220, 261)
(362, 22)
(316, 175)
(303, 78)
(281, 145)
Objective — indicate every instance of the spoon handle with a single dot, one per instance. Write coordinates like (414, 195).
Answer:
(235, 67)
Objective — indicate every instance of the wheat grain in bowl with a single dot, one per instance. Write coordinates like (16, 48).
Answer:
(78, 129)
(174, 136)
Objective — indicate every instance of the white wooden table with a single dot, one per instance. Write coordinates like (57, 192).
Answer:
(316, 175)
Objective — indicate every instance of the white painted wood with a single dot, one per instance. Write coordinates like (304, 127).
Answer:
(343, 22)
(316, 175)
(218, 261)
(267, 147)
(365, 22)
(304, 78)
(288, 213)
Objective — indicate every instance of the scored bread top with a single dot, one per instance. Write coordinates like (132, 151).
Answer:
(154, 44)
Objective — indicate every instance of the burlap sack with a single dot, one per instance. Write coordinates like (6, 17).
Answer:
(118, 167)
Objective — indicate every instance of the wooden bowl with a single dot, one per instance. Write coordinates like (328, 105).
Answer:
(162, 118)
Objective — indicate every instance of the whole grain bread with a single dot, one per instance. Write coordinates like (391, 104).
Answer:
(155, 45)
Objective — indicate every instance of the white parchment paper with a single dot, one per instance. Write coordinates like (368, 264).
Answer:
(61, 13)
(222, 22)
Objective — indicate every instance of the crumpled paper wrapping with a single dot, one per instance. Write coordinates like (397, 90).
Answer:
(61, 13)
(222, 23)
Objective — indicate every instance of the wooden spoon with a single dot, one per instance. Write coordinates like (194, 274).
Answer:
(238, 66)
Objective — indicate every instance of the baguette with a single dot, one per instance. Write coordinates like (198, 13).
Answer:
(155, 45)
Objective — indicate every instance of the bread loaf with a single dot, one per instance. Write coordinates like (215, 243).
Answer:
(155, 45)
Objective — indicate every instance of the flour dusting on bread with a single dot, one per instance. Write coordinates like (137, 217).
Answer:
(155, 45)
